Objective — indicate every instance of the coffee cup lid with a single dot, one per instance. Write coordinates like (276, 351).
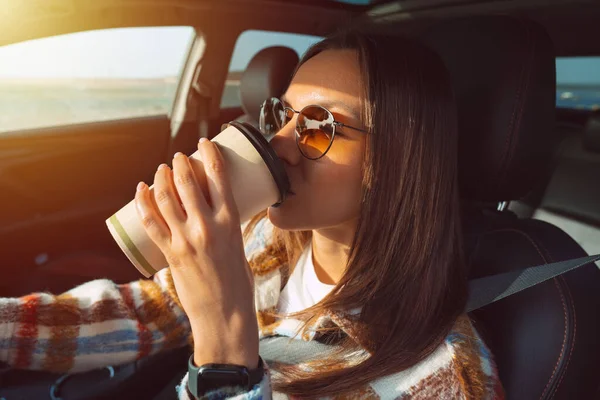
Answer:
(267, 153)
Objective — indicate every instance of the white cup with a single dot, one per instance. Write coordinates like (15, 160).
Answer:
(258, 180)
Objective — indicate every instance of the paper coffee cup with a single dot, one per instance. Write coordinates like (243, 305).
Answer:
(258, 180)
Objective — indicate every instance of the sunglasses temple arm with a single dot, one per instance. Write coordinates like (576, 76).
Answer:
(341, 125)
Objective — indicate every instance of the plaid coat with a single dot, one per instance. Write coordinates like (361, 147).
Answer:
(101, 323)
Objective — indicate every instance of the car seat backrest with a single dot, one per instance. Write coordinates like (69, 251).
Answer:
(544, 339)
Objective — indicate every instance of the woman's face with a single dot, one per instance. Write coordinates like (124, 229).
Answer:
(327, 191)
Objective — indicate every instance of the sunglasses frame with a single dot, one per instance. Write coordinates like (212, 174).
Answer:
(334, 124)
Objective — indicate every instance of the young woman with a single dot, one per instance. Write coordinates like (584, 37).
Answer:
(364, 255)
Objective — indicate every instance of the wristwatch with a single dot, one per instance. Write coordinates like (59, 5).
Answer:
(209, 377)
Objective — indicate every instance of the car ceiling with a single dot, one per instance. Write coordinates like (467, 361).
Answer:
(574, 25)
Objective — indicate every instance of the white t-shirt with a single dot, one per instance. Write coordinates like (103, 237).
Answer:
(303, 289)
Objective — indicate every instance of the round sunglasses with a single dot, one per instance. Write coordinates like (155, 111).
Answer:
(315, 126)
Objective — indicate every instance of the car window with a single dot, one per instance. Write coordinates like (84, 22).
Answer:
(248, 44)
(578, 82)
(91, 76)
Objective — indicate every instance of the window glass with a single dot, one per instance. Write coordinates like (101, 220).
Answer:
(578, 82)
(248, 44)
(91, 76)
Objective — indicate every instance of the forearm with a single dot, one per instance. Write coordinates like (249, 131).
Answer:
(93, 325)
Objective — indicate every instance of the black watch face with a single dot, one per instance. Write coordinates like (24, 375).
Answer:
(210, 379)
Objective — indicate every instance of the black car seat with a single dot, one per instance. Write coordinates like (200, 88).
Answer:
(267, 75)
(545, 339)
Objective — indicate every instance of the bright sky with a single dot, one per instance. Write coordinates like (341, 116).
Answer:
(114, 53)
(157, 52)
(578, 70)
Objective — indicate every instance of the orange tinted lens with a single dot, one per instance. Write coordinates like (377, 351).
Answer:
(315, 131)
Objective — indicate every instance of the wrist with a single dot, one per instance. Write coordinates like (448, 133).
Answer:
(239, 347)
(209, 355)
(226, 338)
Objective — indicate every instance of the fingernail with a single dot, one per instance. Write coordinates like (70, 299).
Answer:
(178, 154)
(203, 139)
(141, 186)
(162, 166)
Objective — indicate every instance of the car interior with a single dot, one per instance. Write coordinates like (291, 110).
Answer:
(528, 169)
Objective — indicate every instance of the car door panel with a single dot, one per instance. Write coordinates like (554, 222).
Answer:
(60, 184)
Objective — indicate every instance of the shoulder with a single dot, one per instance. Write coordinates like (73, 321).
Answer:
(460, 368)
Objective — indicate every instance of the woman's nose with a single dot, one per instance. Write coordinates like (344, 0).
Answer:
(284, 144)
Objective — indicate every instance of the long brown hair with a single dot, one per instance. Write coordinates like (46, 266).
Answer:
(405, 269)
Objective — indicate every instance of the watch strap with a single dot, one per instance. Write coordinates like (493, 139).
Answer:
(254, 376)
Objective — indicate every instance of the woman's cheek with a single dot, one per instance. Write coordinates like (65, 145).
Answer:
(342, 191)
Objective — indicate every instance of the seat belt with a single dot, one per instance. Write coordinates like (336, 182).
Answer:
(488, 289)
(482, 292)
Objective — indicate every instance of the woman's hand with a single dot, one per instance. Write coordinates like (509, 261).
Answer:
(193, 219)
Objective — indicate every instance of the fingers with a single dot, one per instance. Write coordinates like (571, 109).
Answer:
(219, 186)
(167, 199)
(189, 189)
(153, 222)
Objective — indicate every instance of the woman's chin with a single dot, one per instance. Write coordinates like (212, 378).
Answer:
(277, 217)
(283, 218)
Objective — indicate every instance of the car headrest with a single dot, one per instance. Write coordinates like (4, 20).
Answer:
(591, 133)
(503, 72)
(267, 75)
